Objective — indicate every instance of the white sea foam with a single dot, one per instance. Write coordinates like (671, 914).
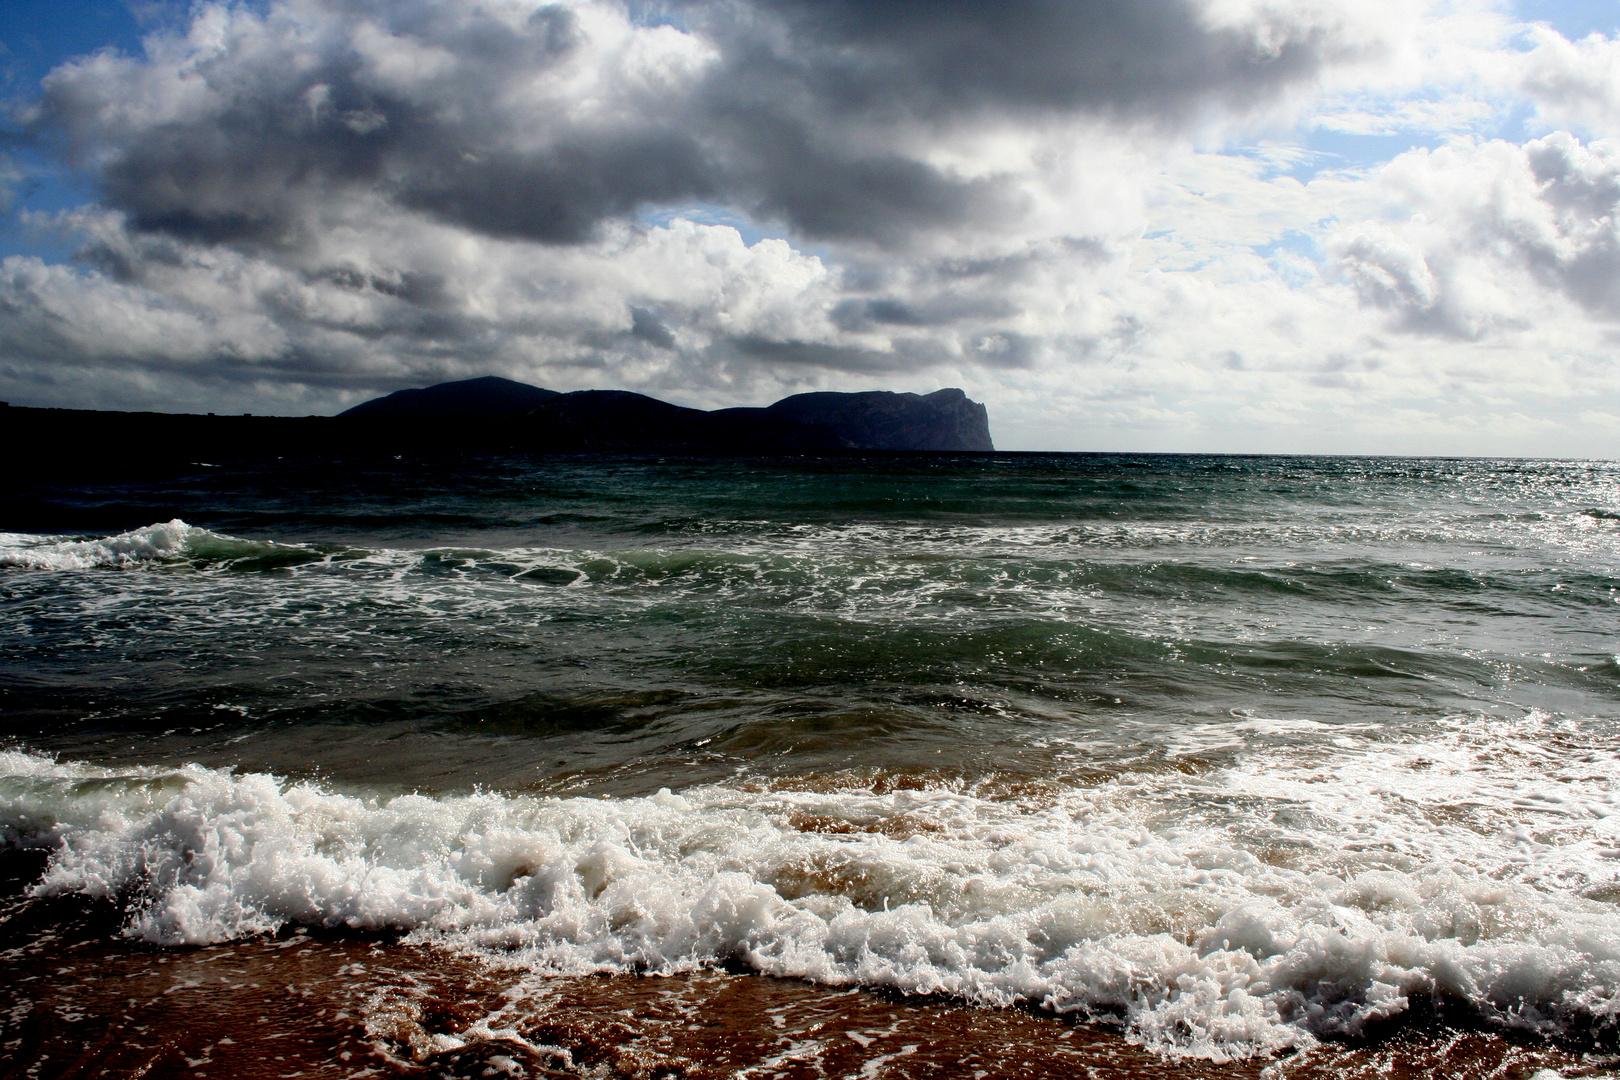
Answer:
(871, 574)
(152, 543)
(157, 545)
(868, 575)
(1327, 541)
(1258, 907)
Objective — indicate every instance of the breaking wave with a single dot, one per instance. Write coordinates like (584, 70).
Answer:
(138, 546)
(168, 542)
(1201, 935)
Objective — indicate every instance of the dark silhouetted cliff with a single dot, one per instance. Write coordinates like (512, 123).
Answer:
(485, 399)
(527, 417)
(493, 415)
(881, 420)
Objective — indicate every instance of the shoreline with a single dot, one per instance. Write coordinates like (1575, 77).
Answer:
(80, 1000)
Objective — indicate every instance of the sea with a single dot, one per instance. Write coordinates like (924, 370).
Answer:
(861, 766)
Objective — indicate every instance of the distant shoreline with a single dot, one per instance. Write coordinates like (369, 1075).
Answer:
(493, 414)
(77, 437)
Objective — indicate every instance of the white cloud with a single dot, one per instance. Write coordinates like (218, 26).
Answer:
(1574, 84)
(439, 192)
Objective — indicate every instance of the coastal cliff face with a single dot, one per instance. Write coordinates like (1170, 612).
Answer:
(881, 420)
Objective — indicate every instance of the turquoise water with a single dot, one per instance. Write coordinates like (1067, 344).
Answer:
(1292, 742)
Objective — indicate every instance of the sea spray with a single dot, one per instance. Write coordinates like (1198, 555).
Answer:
(1183, 934)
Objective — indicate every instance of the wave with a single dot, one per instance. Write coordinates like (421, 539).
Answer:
(907, 565)
(164, 543)
(1199, 944)
(155, 543)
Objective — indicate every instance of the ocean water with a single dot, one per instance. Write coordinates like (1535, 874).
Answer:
(777, 768)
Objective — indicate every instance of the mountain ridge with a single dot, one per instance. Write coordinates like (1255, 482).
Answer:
(484, 397)
(486, 416)
(620, 420)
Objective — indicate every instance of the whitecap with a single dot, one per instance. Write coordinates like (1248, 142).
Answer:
(1180, 931)
(153, 543)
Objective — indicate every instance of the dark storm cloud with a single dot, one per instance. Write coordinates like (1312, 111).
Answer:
(797, 77)
(940, 310)
(299, 123)
(815, 355)
(289, 140)
(307, 191)
(1001, 350)
(648, 327)
(824, 193)
(935, 58)
(560, 195)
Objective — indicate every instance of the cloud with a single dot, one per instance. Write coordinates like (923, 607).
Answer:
(1574, 84)
(540, 122)
(1491, 225)
(1098, 216)
(263, 128)
(271, 165)
(931, 60)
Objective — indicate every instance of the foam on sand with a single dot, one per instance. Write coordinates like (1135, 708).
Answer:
(1084, 901)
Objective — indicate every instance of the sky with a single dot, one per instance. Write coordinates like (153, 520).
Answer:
(1253, 226)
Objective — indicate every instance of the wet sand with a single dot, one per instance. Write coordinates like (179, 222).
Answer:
(79, 1001)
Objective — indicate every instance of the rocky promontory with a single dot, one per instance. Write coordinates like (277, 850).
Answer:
(531, 418)
(495, 415)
